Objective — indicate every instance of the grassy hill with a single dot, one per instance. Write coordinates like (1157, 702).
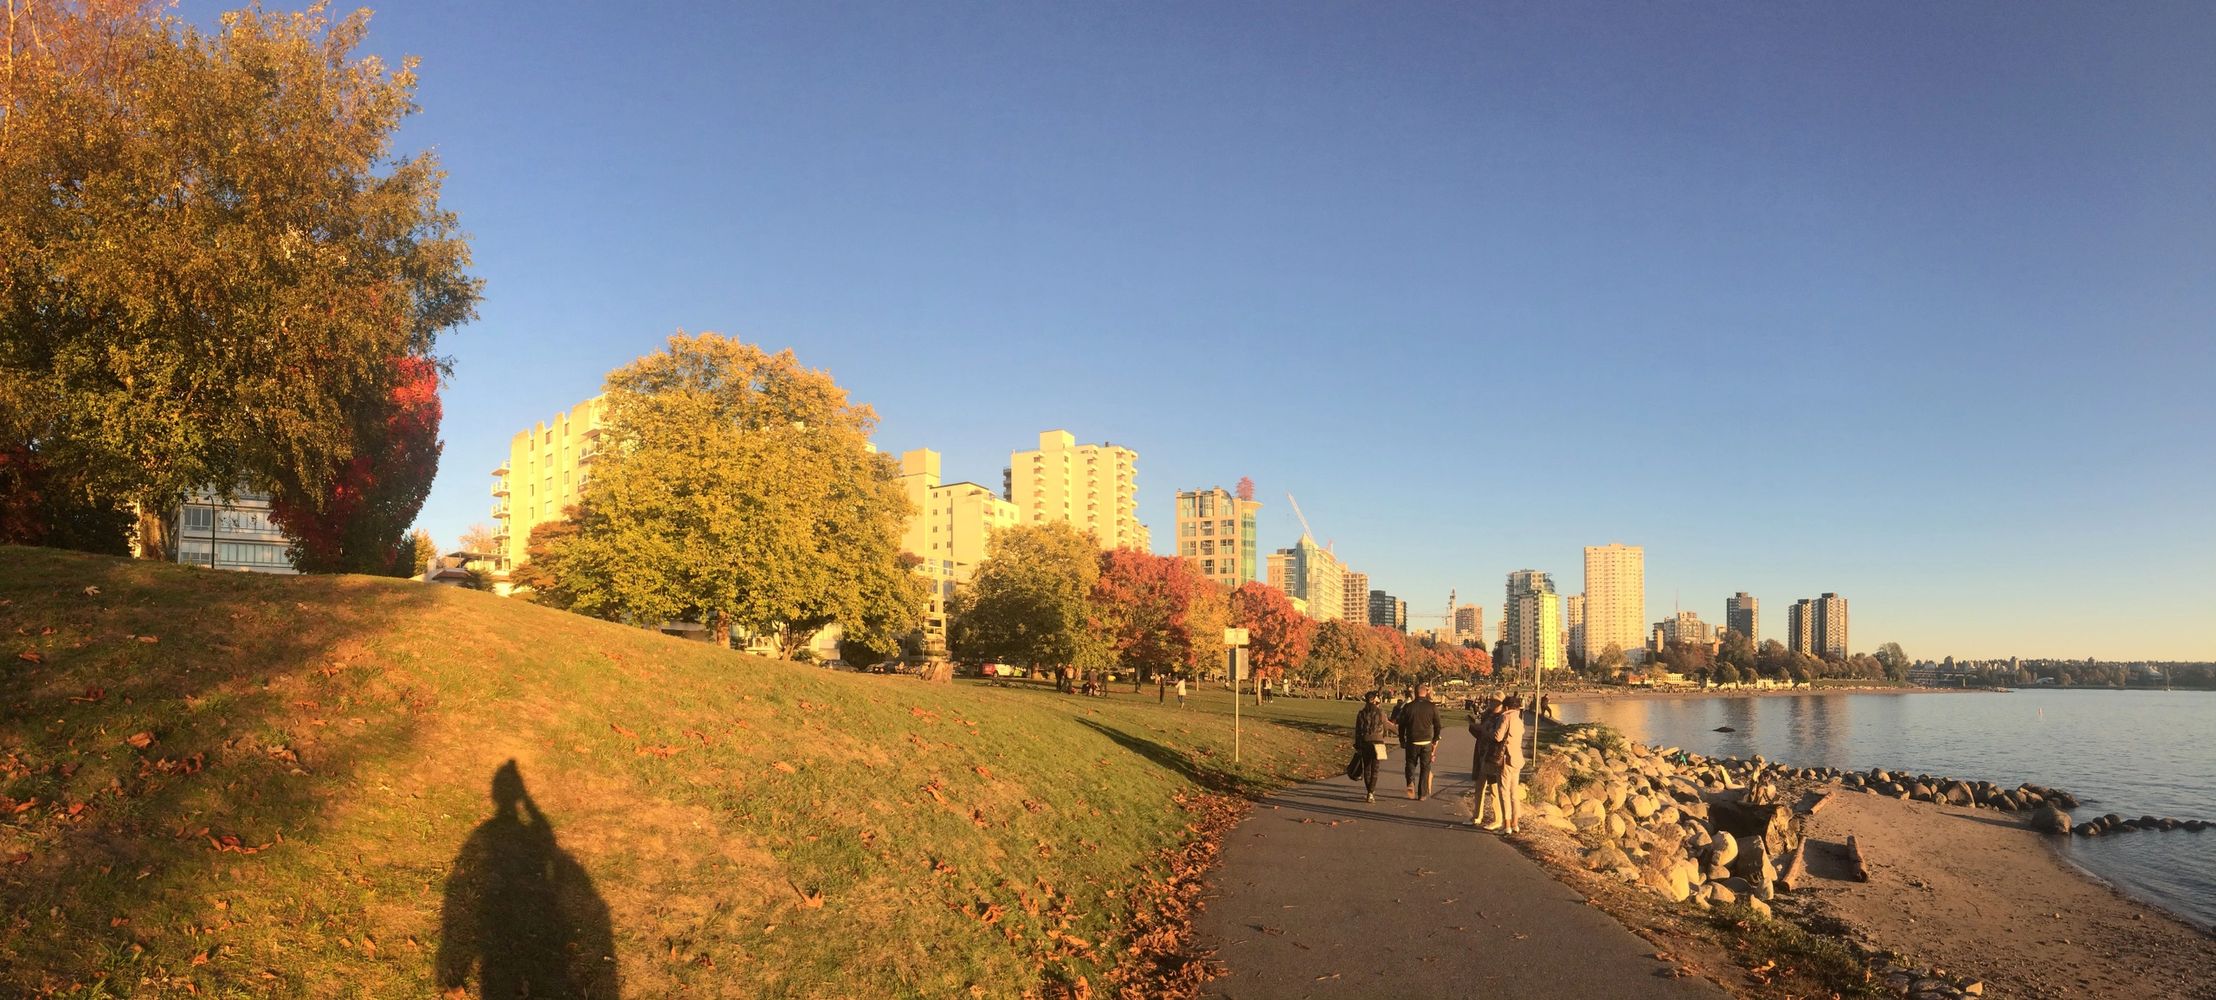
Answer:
(233, 785)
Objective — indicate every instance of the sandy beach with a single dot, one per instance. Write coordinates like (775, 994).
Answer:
(1974, 892)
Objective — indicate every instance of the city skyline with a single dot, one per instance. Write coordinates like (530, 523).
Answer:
(1938, 302)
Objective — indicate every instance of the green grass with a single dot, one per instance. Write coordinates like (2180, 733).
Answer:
(319, 757)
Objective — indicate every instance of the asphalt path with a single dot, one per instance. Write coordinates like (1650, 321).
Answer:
(1320, 894)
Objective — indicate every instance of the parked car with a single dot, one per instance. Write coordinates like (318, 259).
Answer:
(836, 664)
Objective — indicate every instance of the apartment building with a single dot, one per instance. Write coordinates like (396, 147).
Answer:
(1355, 590)
(1314, 576)
(1215, 533)
(232, 533)
(1387, 610)
(1092, 486)
(543, 476)
(948, 527)
(1532, 622)
(1573, 624)
(1683, 628)
(1469, 624)
(1615, 599)
(1743, 614)
(1828, 629)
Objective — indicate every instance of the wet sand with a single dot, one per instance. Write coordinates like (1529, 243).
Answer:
(1974, 892)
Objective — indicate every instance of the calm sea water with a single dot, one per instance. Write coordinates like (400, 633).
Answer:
(2132, 753)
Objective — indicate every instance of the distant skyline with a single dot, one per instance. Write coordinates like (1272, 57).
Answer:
(1909, 303)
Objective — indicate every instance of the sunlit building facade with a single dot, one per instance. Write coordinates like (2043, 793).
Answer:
(1092, 486)
(544, 475)
(1215, 533)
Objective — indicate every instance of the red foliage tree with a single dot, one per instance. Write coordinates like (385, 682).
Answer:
(1157, 612)
(359, 523)
(1277, 635)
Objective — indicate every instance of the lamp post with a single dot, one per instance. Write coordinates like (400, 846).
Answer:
(1235, 643)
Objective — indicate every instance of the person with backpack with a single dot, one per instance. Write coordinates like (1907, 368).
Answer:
(1369, 743)
(1419, 732)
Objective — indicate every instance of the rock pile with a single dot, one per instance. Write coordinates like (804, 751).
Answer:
(1684, 827)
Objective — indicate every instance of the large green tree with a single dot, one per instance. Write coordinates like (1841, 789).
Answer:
(1344, 657)
(1030, 601)
(211, 258)
(736, 488)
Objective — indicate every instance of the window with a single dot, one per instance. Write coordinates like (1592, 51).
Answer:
(199, 519)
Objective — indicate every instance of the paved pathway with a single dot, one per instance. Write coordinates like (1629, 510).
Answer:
(1323, 895)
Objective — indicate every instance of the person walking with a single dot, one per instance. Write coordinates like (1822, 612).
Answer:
(1419, 730)
(1161, 689)
(1181, 691)
(1369, 742)
(1483, 764)
(1508, 731)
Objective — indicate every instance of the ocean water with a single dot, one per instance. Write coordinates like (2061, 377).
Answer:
(2132, 753)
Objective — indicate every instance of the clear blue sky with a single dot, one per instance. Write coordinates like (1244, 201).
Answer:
(1912, 302)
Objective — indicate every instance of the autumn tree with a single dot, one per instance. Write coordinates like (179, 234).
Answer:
(1157, 613)
(1277, 635)
(213, 254)
(357, 521)
(1030, 601)
(536, 578)
(425, 551)
(736, 488)
(477, 539)
(1344, 657)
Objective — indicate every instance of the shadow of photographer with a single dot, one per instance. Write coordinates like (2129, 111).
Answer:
(520, 912)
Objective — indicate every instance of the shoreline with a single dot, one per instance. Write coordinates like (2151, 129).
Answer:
(1927, 895)
(1969, 890)
(1581, 696)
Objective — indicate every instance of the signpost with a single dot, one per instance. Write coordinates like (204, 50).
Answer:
(1235, 662)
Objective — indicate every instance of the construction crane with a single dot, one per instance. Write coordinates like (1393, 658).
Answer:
(1305, 531)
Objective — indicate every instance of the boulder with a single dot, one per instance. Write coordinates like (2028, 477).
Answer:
(2048, 819)
(1724, 850)
(1760, 908)
(1959, 794)
(1606, 857)
(1718, 894)
(1643, 806)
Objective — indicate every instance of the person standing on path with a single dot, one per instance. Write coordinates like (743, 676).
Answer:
(1508, 730)
(1181, 691)
(1419, 729)
(1161, 689)
(1369, 742)
(1482, 757)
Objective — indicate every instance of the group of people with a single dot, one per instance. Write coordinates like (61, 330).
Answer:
(1497, 764)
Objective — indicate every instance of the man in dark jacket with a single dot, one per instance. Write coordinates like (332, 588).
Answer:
(1419, 731)
(1369, 740)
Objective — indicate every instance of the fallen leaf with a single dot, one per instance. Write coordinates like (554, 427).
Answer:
(148, 639)
(618, 727)
(30, 656)
(782, 766)
(140, 740)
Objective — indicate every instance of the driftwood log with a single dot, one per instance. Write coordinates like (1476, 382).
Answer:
(1854, 858)
(1793, 875)
(1818, 804)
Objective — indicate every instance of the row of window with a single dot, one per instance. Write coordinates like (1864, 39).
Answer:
(232, 554)
(233, 522)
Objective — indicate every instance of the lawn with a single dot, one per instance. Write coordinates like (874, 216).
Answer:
(233, 785)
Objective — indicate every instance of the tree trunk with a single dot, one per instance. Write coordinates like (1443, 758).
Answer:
(719, 627)
(153, 536)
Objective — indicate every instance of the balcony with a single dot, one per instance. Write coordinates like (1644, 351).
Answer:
(500, 487)
(502, 471)
(500, 510)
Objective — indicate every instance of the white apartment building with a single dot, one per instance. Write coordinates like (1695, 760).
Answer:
(947, 528)
(1092, 486)
(1615, 599)
(1313, 577)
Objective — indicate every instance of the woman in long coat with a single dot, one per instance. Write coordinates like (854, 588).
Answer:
(1508, 730)
(1482, 722)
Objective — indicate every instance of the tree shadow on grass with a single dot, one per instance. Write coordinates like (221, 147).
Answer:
(520, 913)
(1180, 762)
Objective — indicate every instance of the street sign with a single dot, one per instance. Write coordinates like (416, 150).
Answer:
(1234, 637)
(1237, 660)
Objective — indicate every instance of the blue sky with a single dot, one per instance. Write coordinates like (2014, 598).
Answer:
(1910, 302)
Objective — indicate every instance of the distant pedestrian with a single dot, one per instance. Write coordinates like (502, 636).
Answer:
(1482, 758)
(1419, 731)
(1369, 743)
(1508, 731)
(1181, 691)
(1161, 689)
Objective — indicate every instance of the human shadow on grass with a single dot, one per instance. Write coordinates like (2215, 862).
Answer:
(520, 913)
(1178, 761)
